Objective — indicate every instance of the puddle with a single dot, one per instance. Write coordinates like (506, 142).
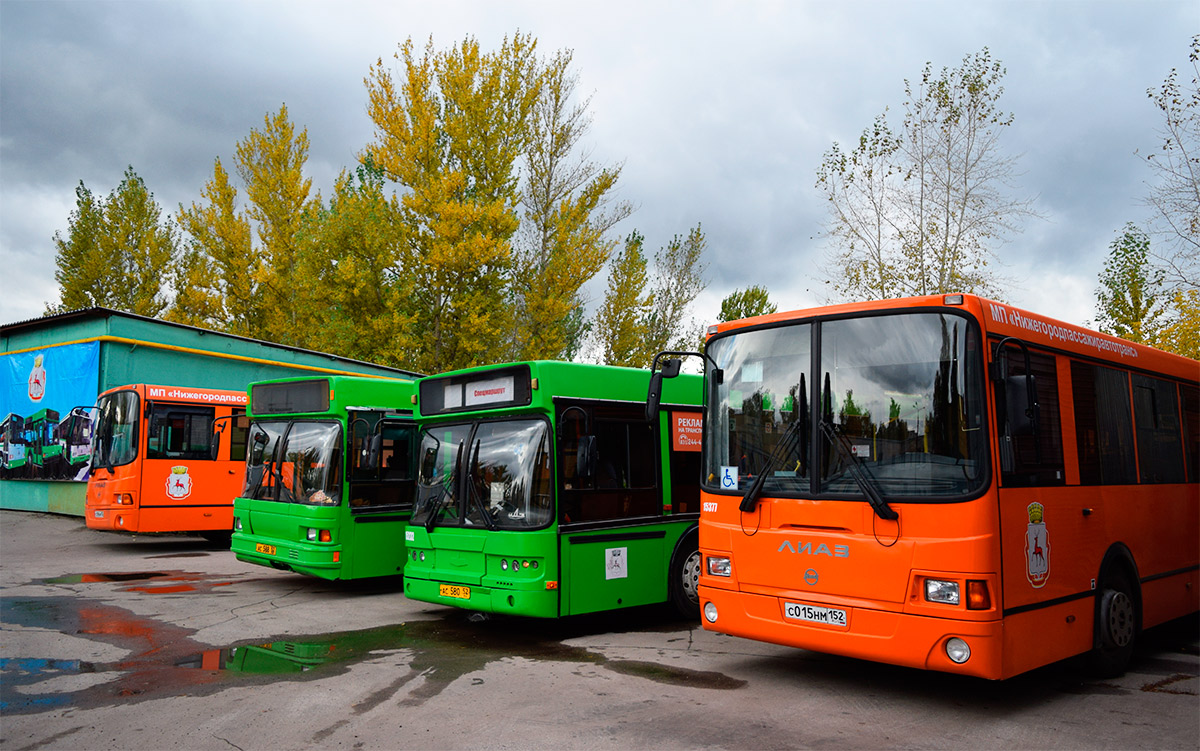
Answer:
(160, 582)
(164, 660)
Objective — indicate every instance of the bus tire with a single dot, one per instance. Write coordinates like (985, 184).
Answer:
(1116, 625)
(685, 576)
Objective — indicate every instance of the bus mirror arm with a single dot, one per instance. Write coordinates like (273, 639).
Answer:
(586, 457)
(670, 369)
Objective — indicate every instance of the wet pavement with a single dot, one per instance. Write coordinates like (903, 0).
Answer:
(147, 642)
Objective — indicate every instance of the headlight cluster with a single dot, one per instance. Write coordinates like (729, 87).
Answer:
(319, 535)
(517, 565)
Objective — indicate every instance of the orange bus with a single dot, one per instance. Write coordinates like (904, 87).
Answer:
(946, 483)
(167, 459)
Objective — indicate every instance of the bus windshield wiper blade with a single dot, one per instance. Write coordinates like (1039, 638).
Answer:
(865, 481)
(781, 450)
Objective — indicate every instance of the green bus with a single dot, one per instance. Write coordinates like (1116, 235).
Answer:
(13, 440)
(329, 476)
(45, 453)
(543, 491)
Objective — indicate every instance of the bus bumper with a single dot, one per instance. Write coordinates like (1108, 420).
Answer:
(111, 518)
(535, 603)
(896, 638)
(322, 561)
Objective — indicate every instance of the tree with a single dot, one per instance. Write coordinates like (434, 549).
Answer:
(216, 278)
(352, 258)
(450, 132)
(1175, 198)
(1181, 334)
(116, 251)
(747, 303)
(918, 212)
(227, 281)
(1129, 300)
(621, 327)
(563, 240)
(679, 279)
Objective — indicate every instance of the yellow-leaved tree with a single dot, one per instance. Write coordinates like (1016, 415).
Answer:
(564, 236)
(450, 129)
(226, 280)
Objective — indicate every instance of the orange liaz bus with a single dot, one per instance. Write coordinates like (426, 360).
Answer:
(946, 483)
(167, 459)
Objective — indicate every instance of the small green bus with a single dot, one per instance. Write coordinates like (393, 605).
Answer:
(542, 490)
(329, 476)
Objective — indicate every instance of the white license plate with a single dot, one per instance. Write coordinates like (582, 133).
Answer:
(98, 514)
(799, 612)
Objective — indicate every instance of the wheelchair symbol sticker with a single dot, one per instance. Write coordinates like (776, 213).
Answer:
(729, 478)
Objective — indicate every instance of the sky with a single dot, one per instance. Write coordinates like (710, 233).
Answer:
(719, 112)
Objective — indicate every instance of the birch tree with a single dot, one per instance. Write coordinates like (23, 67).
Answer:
(921, 210)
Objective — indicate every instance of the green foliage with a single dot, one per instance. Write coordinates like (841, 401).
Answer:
(563, 240)
(918, 211)
(621, 323)
(747, 303)
(1181, 334)
(116, 251)
(350, 260)
(1129, 301)
(679, 279)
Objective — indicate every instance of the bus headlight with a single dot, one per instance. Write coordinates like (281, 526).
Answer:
(237, 524)
(319, 535)
(957, 650)
(940, 590)
(710, 612)
(719, 566)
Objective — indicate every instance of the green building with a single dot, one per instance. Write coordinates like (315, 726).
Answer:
(53, 368)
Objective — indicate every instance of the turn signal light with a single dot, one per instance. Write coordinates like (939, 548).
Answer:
(125, 499)
(978, 597)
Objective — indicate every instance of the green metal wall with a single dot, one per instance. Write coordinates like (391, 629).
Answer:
(222, 362)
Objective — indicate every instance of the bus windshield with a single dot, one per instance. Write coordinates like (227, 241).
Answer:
(900, 396)
(116, 437)
(294, 462)
(505, 468)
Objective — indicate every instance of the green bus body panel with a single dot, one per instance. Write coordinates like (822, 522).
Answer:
(598, 568)
(367, 543)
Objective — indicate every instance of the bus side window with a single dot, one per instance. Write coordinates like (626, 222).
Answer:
(1103, 425)
(1190, 397)
(180, 432)
(1037, 457)
(238, 435)
(1156, 420)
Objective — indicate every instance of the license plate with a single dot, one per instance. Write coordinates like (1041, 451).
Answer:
(799, 612)
(260, 548)
(454, 590)
(98, 514)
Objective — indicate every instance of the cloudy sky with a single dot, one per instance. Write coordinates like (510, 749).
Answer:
(720, 112)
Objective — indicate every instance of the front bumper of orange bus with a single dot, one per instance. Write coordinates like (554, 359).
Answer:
(897, 638)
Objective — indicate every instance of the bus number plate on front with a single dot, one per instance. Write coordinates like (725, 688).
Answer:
(260, 548)
(454, 590)
(829, 616)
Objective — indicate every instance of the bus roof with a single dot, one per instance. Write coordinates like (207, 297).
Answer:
(1002, 319)
(535, 383)
(344, 392)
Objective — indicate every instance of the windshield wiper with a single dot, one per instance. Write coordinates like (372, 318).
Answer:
(474, 493)
(782, 449)
(865, 481)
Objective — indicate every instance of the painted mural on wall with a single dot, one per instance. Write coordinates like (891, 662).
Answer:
(46, 397)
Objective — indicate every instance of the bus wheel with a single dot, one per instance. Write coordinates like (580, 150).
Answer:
(685, 577)
(1116, 627)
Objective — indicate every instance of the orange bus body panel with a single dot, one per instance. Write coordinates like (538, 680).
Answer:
(840, 555)
(169, 495)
